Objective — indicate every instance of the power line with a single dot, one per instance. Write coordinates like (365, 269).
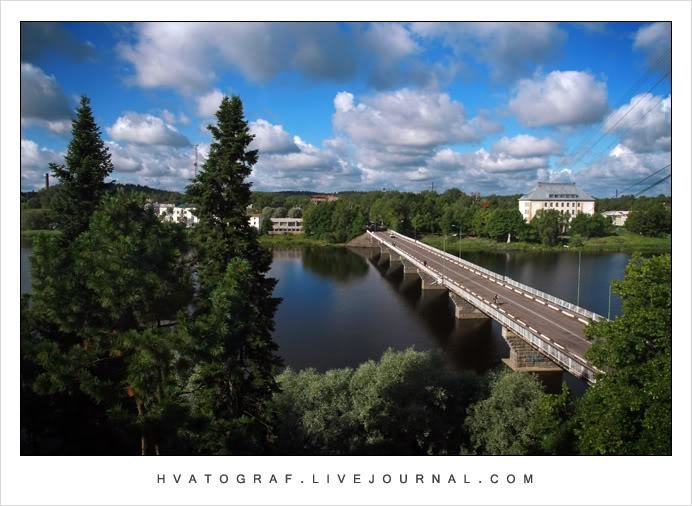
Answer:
(655, 184)
(658, 102)
(625, 95)
(647, 177)
(612, 127)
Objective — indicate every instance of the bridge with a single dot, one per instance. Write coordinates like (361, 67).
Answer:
(544, 333)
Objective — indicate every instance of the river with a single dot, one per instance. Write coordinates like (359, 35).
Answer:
(339, 309)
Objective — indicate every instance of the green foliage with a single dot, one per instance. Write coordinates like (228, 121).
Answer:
(279, 212)
(338, 221)
(408, 403)
(503, 222)
(549, 224)
(586, 225)
(82, 185)
(519, 419)
(230, 332)
(628, 412)
(650, 217)
(295, 212)
(37, 219)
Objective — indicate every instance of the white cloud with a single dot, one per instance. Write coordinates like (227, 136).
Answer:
(562, 98)
(171, 118)
(34, 162)
(406, 118)
(508, 48)
(154, 165)
(43, 102)
(526, 146)
(208, 104)
(271, 138)
(655, 41)
(187, 56)
(621, 169)
(146, 129)
(647, 126)
(390, 41)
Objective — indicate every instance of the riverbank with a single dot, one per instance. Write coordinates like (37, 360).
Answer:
(292, 240)
(622, 242)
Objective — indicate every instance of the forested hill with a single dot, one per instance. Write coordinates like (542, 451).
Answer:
(43, 197)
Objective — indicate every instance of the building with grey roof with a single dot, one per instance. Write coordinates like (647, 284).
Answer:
(567, 198)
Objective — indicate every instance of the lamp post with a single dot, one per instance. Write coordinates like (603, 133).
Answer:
(458, 228)
(578, 276)
(610, 290)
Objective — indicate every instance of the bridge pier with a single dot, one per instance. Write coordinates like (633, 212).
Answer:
(524, 358)
(395, 263)
(430, 283)
(384, 256)
(463, 310)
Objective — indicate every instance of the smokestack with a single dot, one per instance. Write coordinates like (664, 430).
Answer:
(47, 183)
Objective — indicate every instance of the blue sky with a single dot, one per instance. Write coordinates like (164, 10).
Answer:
(488, 107)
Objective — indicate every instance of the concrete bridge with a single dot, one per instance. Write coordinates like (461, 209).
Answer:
(544, 333)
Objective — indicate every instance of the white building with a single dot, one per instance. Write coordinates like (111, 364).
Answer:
(287, 226)
(177, 214)
(255, 220)
(619, 217)
(564, 197)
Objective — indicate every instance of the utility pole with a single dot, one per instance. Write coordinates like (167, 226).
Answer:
(196, 159)
(610, 288)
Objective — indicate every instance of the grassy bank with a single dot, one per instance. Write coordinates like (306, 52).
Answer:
(292, 240)
(622, 242)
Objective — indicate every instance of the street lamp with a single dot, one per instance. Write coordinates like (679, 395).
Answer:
(610, 291)
(578, 276)
(458, 228)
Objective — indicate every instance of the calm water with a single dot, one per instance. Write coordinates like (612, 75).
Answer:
(339, 309)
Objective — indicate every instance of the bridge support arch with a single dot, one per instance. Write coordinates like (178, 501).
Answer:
(430, 283)
(463, 310)
(523, 357)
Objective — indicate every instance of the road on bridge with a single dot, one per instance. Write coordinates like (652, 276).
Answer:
(534, 312)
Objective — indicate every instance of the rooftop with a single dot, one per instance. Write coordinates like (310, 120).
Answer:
(557, 191)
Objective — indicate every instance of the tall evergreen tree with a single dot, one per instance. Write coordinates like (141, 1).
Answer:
(234, 310)
(81, 177)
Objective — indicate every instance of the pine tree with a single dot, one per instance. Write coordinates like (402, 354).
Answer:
(81, 178)
(234, 309)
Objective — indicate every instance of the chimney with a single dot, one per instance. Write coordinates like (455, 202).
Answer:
(47, 183)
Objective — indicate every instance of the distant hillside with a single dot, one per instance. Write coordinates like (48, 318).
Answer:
(42, 198)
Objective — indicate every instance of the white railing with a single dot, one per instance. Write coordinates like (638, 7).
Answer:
(506, 279)
(576, 365)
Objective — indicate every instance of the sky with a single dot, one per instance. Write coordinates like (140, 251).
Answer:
(484, 107)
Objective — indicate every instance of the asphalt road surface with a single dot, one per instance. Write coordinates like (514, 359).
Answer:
(543, 316)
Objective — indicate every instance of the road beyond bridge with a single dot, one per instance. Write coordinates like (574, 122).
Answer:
(542, 331)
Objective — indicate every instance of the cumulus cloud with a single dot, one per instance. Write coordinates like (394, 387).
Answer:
(34, 162)
(186, 56)
(209, 103)
(562, 98)
(190, 56)
(622, 168)
(153, 165)
(146, 129)
(271, 138)
(646, 127)
(407, 118)
(526, 146)
(654, 41)
(508, 48)
(39, 39)
(171, 118)
(43, 102)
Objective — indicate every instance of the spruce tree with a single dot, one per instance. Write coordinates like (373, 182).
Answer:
(234, 310)
(81, 177)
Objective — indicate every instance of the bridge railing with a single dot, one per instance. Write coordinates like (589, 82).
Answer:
(506, 279)
(577, 366)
